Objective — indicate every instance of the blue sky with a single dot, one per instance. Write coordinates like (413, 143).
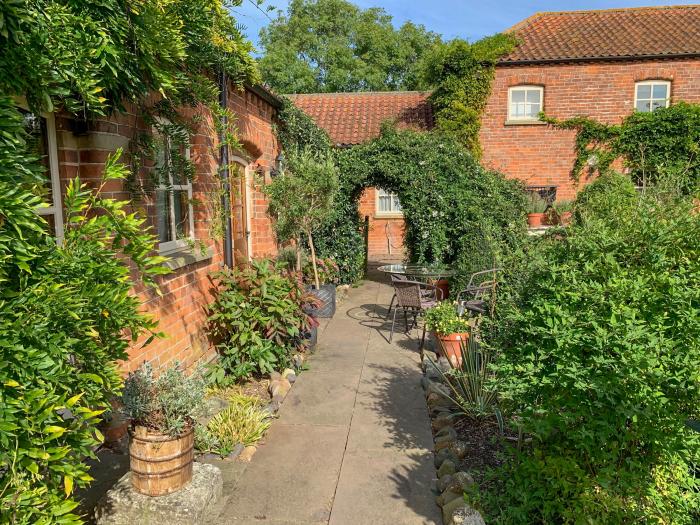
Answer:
(470, 19)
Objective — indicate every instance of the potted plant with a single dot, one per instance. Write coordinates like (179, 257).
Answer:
(162, 413)
(301, 200)
(560, 213)
(537, 207)
(327, 272)
(450, 328)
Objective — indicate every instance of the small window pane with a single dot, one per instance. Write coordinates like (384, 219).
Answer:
(163, 208)
(644, 91)
(518, 95)
(643, 105)
(181, 213)
(656, 104)
(533, 95)
(533, 110)
(660, 90)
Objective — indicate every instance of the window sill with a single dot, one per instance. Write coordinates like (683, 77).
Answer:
(524, 123)
(388, 215)
(186, 256)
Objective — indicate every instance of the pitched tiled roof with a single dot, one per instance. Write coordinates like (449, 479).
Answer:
(611, 33)
(352, 118)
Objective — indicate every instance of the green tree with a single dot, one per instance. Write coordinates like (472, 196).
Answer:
(301, 199)
(332, 45)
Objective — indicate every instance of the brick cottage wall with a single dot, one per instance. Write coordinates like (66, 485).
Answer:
(543, 156)
(185, 292)
(386, 235)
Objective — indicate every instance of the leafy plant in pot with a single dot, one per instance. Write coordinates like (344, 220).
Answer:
(536, 207)
(300, 201)
(450, 328)
(560, 213)
(162, 412)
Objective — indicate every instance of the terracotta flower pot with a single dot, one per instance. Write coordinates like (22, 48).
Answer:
(451, 347)
(160, 464)
(535, 220)
(444, 286)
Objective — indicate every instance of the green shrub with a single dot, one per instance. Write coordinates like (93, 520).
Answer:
(599, 340)
(167, 404)
(604, 196)
(257, 319)
(444, 319)
(67, 315)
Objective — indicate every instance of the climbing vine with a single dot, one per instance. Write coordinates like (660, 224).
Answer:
(663, 144)
(462, 74)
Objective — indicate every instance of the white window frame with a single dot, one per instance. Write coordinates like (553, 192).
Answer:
(56, 206)
(392, 213)
(175, 245)
(651, 83)
(510, 117)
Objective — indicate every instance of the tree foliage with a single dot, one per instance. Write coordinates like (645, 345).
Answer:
(461, 74)
(334, 46)
(66, 316)
(94, 56)
(652, 145)
(598, 333)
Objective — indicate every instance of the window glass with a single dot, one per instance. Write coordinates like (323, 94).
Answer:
(388, 202)
(651, 95)
(525, 102)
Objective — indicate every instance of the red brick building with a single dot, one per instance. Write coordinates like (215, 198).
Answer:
(181, 216)
(600, 64)
(353, 118)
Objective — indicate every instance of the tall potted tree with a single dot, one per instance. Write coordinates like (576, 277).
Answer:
(300, 200)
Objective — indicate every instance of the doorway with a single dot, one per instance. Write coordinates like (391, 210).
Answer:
(240, 212)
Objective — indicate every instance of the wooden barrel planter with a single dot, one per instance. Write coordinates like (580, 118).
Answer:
(160, 464)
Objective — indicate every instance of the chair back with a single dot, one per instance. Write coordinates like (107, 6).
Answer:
(407, 292)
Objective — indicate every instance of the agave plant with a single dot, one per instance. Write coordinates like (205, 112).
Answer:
(472, 383)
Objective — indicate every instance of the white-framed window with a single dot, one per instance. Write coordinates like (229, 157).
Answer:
(41, 129)
(650, 95)
(525, 102)
(388, 204)
(173, 198)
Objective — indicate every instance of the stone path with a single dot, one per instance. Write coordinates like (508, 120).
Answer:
(353, 443)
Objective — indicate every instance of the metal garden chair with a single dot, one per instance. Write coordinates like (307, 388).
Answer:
(413, 297)
(479, 297)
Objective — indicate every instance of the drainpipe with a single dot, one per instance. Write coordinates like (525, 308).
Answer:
(223, 166)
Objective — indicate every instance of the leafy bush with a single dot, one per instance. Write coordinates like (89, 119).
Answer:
(244, 421)
(257, 319)
(444, 319)
(604, 197)
(167, 404)
(328, 271)
(67, 315)
(599, 341)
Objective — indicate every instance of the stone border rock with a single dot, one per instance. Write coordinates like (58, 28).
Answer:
(451, 483)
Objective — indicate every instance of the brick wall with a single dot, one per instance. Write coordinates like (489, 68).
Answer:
(186, 291)
(540, 155)
(385, 234)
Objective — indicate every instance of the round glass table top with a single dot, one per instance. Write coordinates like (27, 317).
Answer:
(431, 271)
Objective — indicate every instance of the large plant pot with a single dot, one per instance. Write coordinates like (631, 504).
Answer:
(326, 295)
(444, 286)
(160, 464)
(451, 347)
(535, 220)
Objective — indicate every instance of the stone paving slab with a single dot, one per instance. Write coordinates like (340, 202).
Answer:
(353, 443)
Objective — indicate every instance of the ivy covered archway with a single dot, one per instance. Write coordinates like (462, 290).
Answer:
(456, 211)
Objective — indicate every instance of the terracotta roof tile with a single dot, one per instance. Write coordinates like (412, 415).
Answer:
(610, 33)
(353, 118)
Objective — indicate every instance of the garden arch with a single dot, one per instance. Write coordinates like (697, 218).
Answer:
(455, 210)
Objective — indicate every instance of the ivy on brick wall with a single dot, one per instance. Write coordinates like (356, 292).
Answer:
(663, 144)
(462, 74)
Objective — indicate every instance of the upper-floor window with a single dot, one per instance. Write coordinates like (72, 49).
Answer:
(652, 94)
(525, 102)
(42, 141)
(388, 203)
(173, 195)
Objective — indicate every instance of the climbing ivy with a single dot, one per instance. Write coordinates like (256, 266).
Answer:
(662, 144)
(462, 74)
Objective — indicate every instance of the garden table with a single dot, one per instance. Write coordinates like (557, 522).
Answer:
(419, 272)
